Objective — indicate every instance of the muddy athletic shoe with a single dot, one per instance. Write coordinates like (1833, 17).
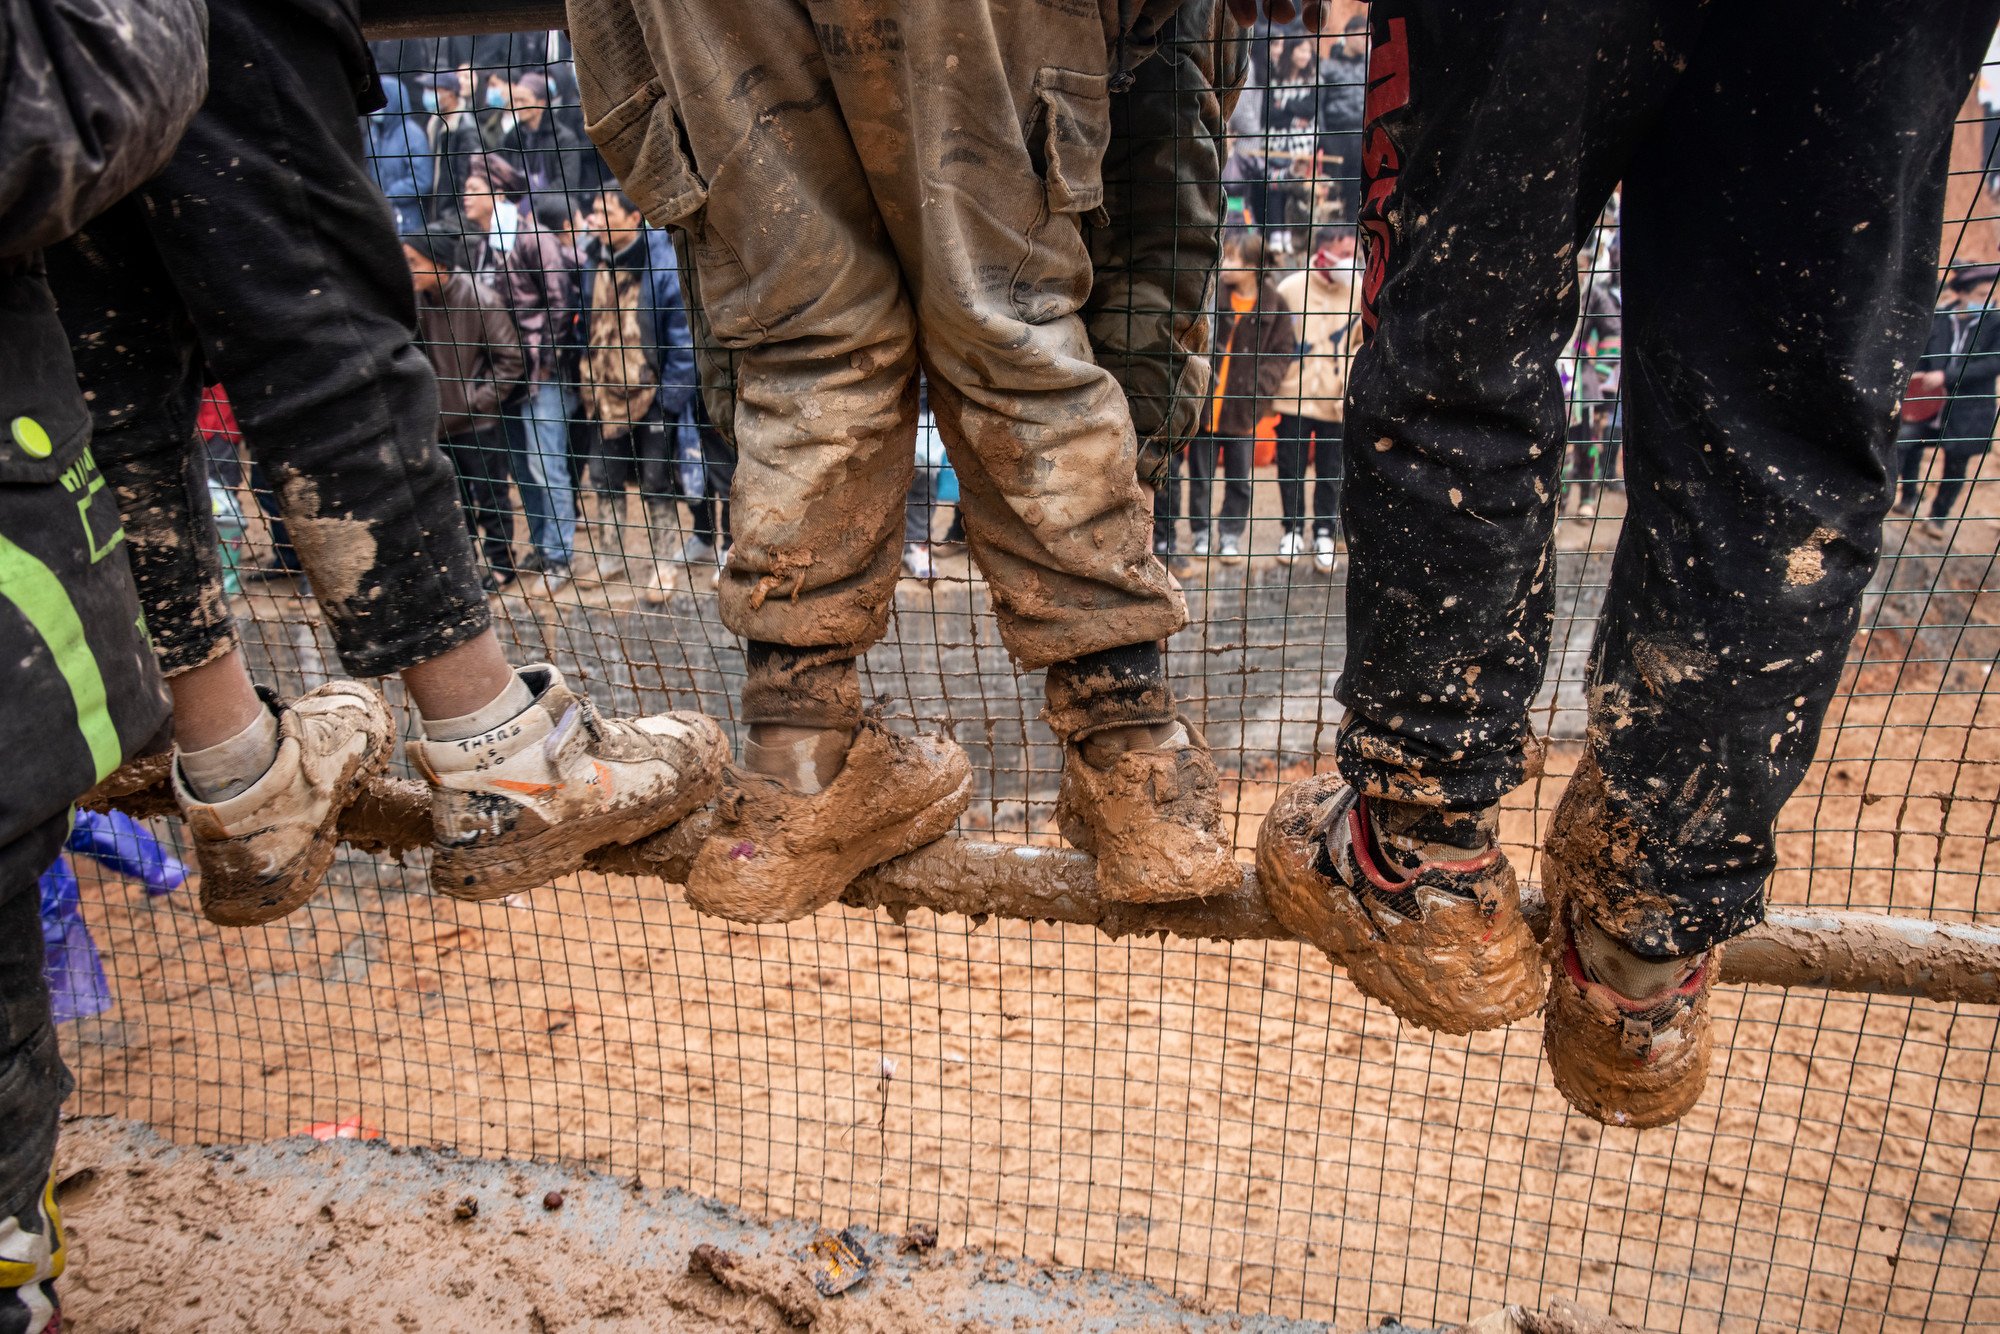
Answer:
(264, 851)
(1622, 1061)
(775, 854)
(1443, 943)
(1151, 817)
(523, 804)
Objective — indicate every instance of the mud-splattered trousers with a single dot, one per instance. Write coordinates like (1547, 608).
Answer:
(263, 255)
(1784, 172)
(864, 186)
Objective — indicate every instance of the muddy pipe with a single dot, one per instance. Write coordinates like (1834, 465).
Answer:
(1821, 949)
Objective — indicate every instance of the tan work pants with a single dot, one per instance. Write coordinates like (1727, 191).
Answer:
(864, 186)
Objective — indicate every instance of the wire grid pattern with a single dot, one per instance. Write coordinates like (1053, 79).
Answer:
(1233, 1122)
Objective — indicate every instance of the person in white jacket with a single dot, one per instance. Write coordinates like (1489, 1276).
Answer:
(1320, 298)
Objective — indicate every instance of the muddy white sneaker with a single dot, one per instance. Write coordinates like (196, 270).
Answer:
(917, 562)
(1622, 1060)
(1232, 550)
(1325, 556)
(1152, 817)
(1289, 547)
(1441, 943)
(1201, 544)
(523, 804)
(774, 853)
(264, 851)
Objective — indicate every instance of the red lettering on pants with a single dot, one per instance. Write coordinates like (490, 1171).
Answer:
(1388, 90)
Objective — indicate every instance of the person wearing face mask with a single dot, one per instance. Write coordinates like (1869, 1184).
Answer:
(1320, 299)
(495, 113)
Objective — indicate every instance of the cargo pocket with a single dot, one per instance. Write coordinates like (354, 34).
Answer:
(1075, 114)
(643, 142)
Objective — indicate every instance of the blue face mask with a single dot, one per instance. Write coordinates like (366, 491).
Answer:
(496, 98)
(431, 101)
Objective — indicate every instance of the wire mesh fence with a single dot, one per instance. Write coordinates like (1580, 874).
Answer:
(1231, 1120)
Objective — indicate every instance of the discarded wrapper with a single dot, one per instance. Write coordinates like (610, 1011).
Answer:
(836, 1262)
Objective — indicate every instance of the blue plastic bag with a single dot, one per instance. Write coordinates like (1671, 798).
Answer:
(75, 971)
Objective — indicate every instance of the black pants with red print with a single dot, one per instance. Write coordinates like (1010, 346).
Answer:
(1784, 174)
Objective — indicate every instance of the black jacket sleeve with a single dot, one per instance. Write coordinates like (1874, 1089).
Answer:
(94, 95)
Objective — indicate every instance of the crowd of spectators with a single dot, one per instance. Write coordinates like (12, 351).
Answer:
(555, 317)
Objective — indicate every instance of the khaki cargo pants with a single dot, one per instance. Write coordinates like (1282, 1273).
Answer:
(867, 186)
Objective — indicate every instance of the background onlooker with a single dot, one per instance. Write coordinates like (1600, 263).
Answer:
(1596, 357)
(1343, 96)
(455, 144)
(1254, 348)
(547, 152)
(1320, 299)
(465, 331)
(1950, 403)
(399, 154)
(536, 276)
(637, 382)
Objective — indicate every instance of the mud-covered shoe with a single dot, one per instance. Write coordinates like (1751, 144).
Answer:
(1152, 818)
(774, 854)
(264, 851)
(1443, 944)
(523, 804)
(1626, 1062)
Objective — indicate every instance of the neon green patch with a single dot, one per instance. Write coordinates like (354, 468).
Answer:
(32, 438)
(34, 588)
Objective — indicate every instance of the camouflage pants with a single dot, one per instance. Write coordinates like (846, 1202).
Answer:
(865, 188)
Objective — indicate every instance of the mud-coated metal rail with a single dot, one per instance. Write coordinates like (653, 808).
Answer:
(1822, 949)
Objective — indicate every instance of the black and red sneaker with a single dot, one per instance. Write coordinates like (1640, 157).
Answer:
(1441, 942)
(1626, 1061)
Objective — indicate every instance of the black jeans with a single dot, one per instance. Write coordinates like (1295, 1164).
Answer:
(645, 454)
(33, 1079)
(1301, 439)
(263, 251)
(479, 457)
(1784, 175)
(718, 466)
(1230, 456)
(1913, 441)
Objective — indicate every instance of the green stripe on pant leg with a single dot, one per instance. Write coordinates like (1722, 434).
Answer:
(33, 587)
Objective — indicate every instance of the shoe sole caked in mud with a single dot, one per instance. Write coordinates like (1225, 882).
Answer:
(775, 855)
(495, 870)
(1459, 971)
(238, 909)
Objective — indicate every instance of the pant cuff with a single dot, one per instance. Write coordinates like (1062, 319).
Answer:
(801, 687)
(1113, 688)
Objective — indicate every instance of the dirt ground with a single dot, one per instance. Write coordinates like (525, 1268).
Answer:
(301, 1235)
(1231, 1123)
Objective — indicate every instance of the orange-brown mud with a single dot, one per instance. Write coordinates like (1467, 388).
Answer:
(1231, 1121)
